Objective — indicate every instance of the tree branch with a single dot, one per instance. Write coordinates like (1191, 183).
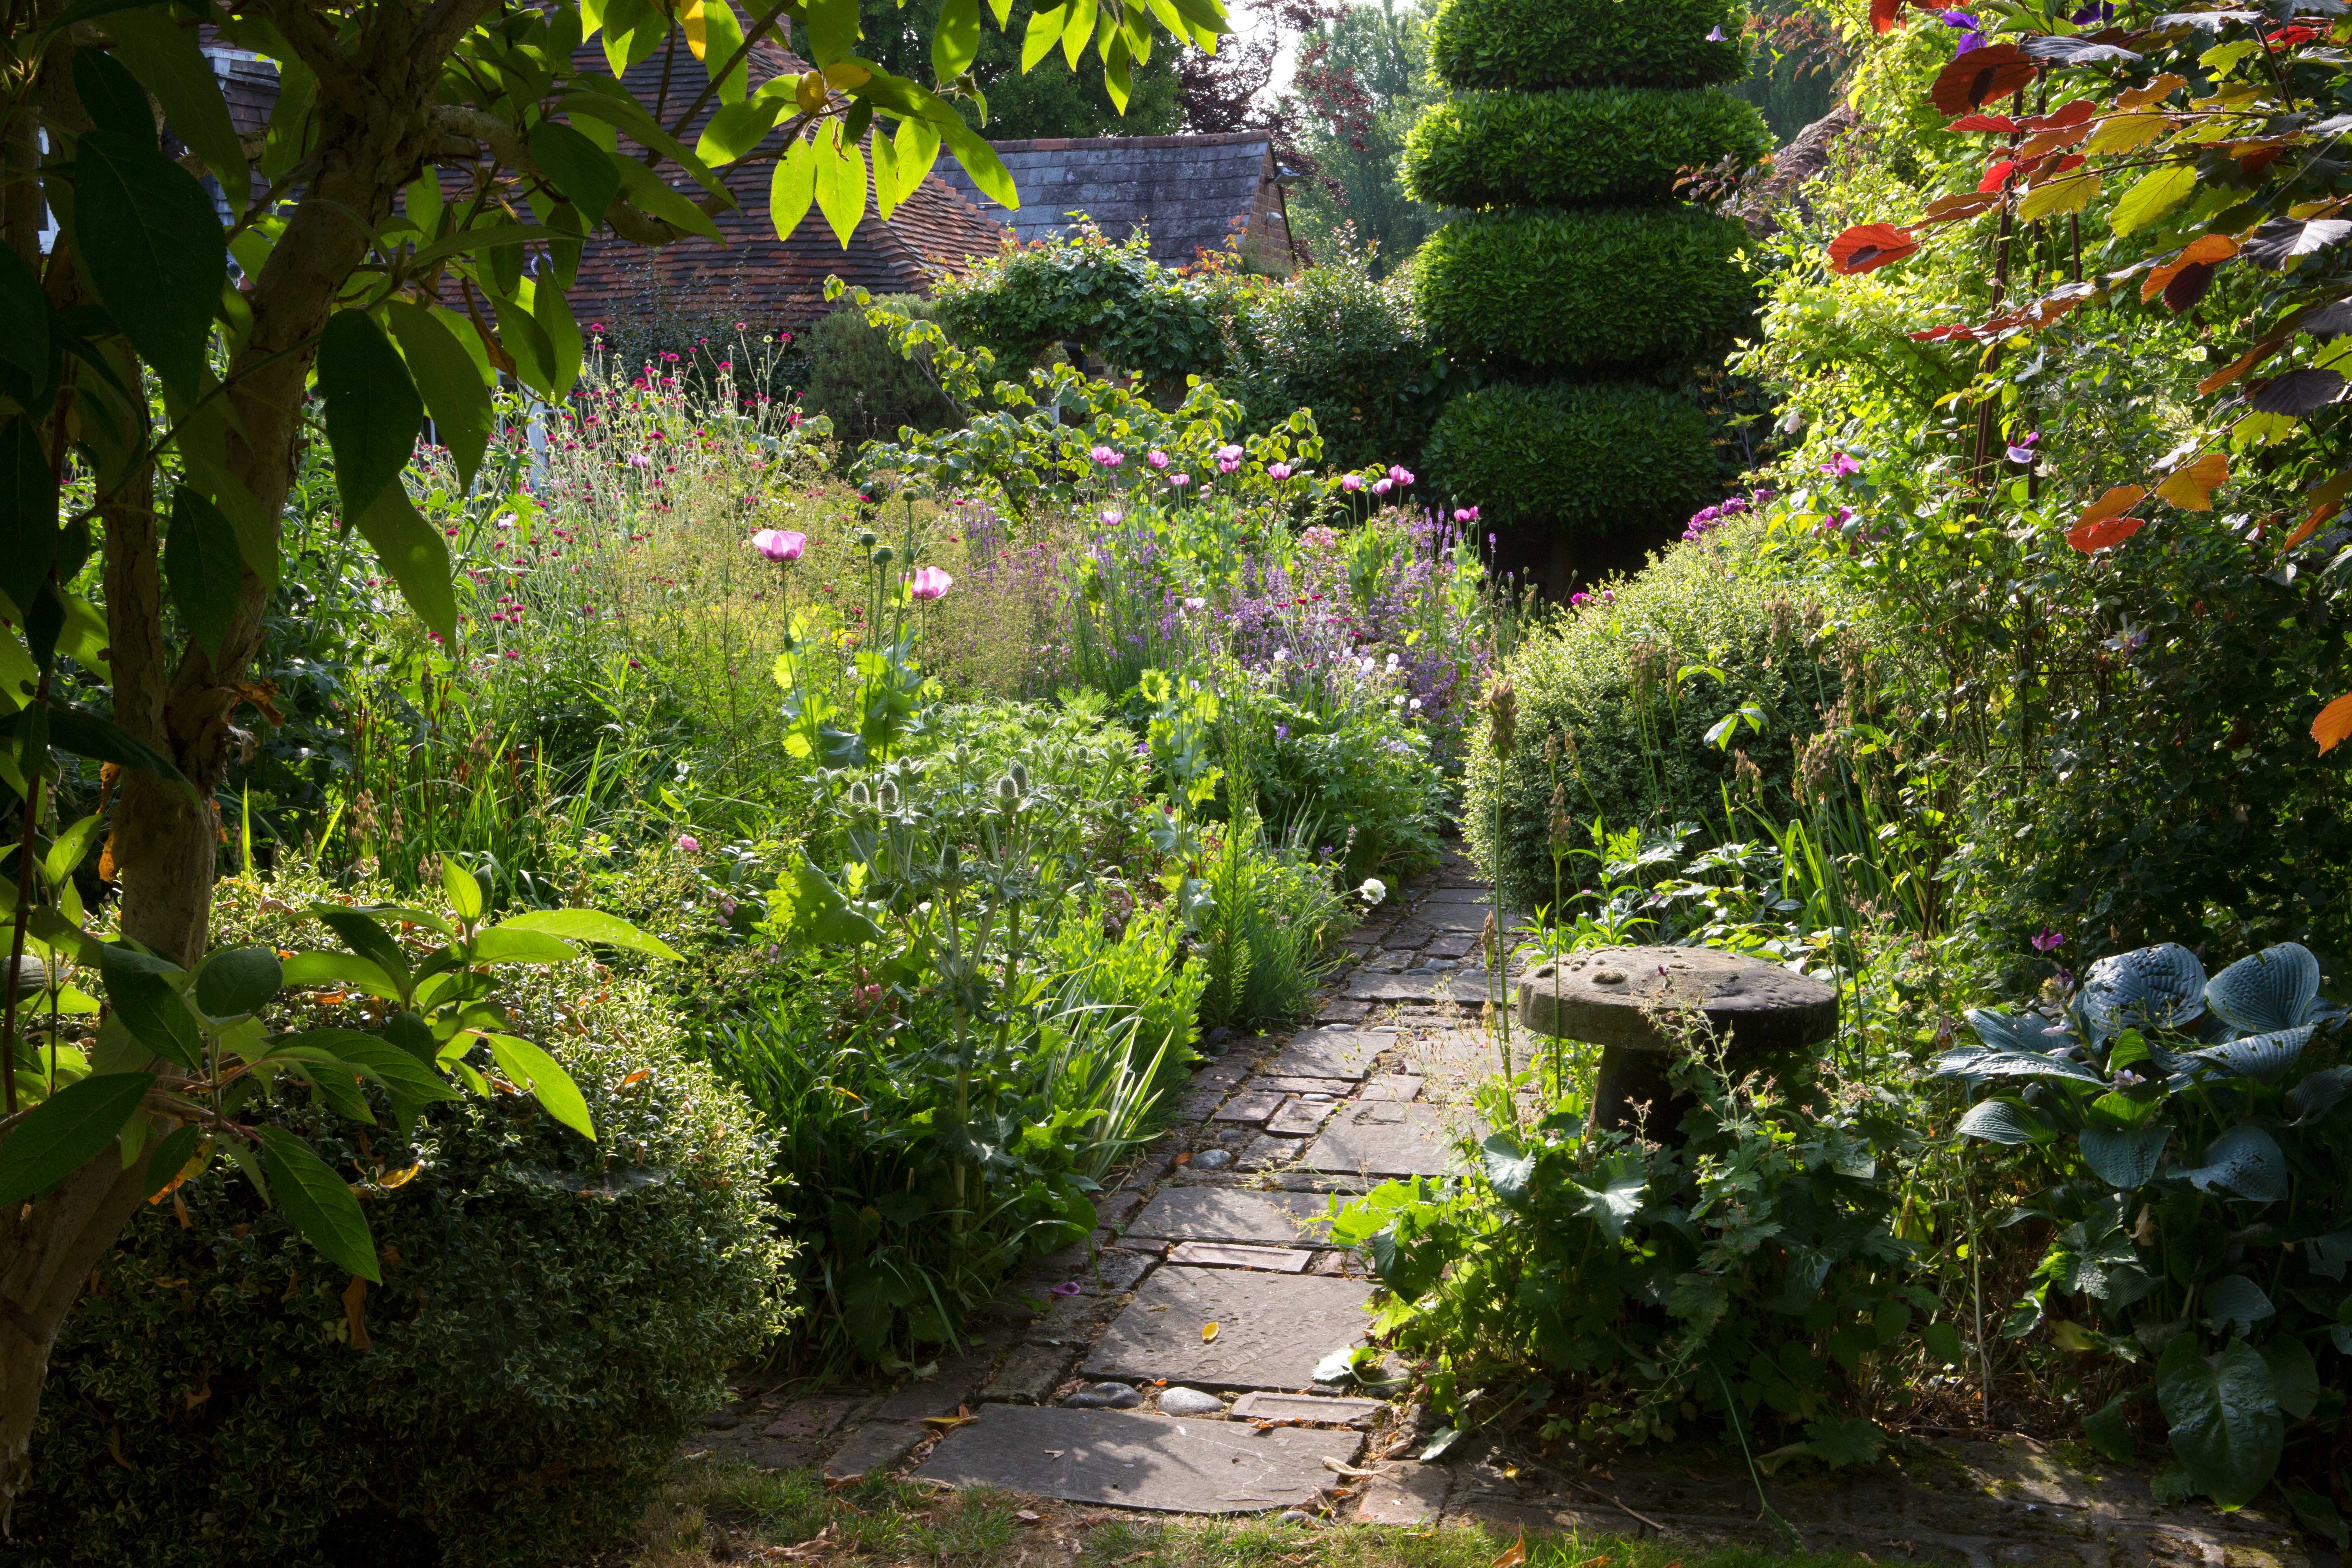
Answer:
(501, 142)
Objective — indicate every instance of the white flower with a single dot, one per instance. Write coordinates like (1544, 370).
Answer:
(1373, 891)
(1415, 705)
(1281, 655)
(1392, 662)
(1196, 605)
(1369, 667)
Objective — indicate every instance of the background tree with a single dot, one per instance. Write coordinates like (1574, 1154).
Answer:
(428, 176)
(1021, 105)
(1362, 81)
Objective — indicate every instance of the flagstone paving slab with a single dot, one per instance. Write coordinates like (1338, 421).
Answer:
(1302, 1115)
(1239, 1255)
(1231, 1213)
(1138, 1461)
(1331, 1410)
(1251, 1108)
(1330, 1053)
(1385, 1138)
(1272, 1329)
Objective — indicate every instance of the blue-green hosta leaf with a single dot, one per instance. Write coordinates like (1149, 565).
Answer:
(2227, 1428)
(2244, 1162)
(2031, 1032)
(2159, 987)
(2293, 1374)
(2319, 1093)
(2004, 1121)
(2327, 1254)
(2015, 1064)
(2235, 1300)
(2272, 989)
(2263, 1056)
(2124, 1160)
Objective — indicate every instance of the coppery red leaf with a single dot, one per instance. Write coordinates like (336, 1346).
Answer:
(1980, 76)
(2103, 534)
(1869, 246)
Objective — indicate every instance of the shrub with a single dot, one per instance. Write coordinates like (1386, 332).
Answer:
(868, 389)
(1586, 292)
(555, 1315)
(1629, 683)
(1610, 457)
(1111, 297)
(1348, 347)
(1529, 44)
(1575, 147)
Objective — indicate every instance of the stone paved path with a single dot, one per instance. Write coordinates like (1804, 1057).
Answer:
(1180, 1374)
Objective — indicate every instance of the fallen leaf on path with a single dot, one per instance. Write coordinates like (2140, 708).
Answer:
(1208, 1332)
(1339, 1469)
(1516, 1555)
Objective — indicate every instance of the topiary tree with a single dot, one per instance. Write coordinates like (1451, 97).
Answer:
(1572, 275)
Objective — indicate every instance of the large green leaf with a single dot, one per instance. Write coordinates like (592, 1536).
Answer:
(2235, 1303)
(2157, 193)
(327, 968)
(151, 1007)
(2124, 1160)
(372, 409)
(553, 313)
(452, 383)
(579, 169)
(2295, 1376)
(809, 909)
(955, 39)
(792, 186)
(401, 1072)
(363, 935)
(2227, 1429)
(150, 241)
(168, 60)
(66, 1131)
(111, 96)
(2003, 1121)
(318, 1202)
(2109, 1431)
(28, 511)
(1510, 1167)
(2270, 990)
(414, 553)
(589, 925)
(981, 162)
(239, 980)
(545, 1077)
(24, 330)
(100, 739)
(203, 569)
(2245, 1162)
(840, 181)
(831, 29)
(738, 127)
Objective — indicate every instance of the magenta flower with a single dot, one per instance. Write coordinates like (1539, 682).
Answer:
(1382, 487)
(779, 545)
(1840, 466)
(1111, 516)
(2048, 941)
(1180, 480)
(1278, 471)
(1401, 475)
(1229, 458)
(2022, 450)
(1351, 482)
(1465, 514)
(929, 583)
(1107, 457)
(689, 843)
(1576, 599)
(1156, 457)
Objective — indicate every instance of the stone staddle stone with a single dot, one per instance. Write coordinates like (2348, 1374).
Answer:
(1630, 1001)
(1630, 997)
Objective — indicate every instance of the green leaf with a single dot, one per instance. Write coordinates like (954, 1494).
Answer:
(327, 968)
(981, 162)
(68, 849)
(831, 29)
(2226, 1426)
(589, 925)
(721, 35)
(553, 313)
(1618, 1199)
(610, 102)
(840, 181)
(111, 96)
(372, 409)
(2125, 1161)
(24, 330)
(417, 556)
(2293, 1374)
(151, 1007)
(148, 237)
(657, 200)
(2235, 1302)
(462, 890)
(2156, 193)
(203, 569)
(66, 1131)
(28, 511)
(2004, 1121)
(169, 61)
(507, 945)
(2245, 1162)
(1079, 30)
(955, 39)
(239, 980)
(738, 127)
(2109, 1431)
(100, 739)
(452, 383)
(1044, 32)
(293, 125)
(1943, 1342)
(2319, 1515)
(363, 936)
(917, 144)
(809, 909)
(1510, 1168)
(581, 171)
(792, 186)
(318, 1202)
(1116, 80)
(536, 1070)
(175, 1150)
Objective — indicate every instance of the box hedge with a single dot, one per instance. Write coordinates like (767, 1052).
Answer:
(1593, 457)
(1604, 676)
(1537, 44)
(555, 1317)
(1601, 147)
(1585, 292)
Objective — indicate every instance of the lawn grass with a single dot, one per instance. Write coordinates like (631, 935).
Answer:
(715, 1513)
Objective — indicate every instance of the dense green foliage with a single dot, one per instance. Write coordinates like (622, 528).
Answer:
(858, 380)
(1585, 294)
(1618, 696)
(1531, 45)
(1359, 81)
(1590, 458)
(1348, 348)
(898, 37)
(1589, 146)
(1109, 298)
(555, 1317)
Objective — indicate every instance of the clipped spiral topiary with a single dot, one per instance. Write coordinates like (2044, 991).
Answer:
(1537, 44)
(1585, 292)
(1599, 146)
(1589, 457)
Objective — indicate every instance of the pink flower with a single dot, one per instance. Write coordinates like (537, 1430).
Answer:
(1107, 457)
(1465, 514)
(1112, 517)
(1402, 476)
(1840, 466)
(1180, 480)
(1576, 599)
(1382, 487)
(1278, 471)
(778, 545)
(1351, 482)
(689, 843)
(1156, 457)
(929, 583)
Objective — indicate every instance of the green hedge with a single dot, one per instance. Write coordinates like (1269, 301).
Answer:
(1603, 676)
(1596, 458)
(1601, 147)
(1587, 43)
(1347, 346)
(867, 388)
(1585, 294)
(555, 1317)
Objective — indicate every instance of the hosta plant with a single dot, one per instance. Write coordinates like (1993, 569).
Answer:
(2193, 1133)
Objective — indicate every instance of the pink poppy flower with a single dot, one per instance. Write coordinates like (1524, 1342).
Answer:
(779, 545)
(929, 583)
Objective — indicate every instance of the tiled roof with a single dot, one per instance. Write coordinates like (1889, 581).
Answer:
(777, 282)
(1189, 192)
